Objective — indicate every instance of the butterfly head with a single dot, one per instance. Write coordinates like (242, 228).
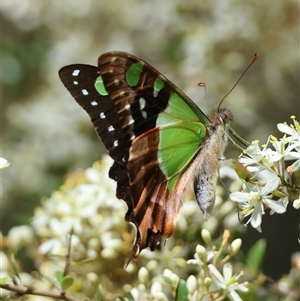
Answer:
(221, 116)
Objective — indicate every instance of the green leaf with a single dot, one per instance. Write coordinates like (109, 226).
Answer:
(84, 261)
(100, 296)
(181, 291)
(256, 255)
(14, 265)
(67, 281)
(4, 280)
(167, 279)
(59, 275)
(130, 297)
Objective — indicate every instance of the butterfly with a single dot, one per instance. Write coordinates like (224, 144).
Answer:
(160, 140)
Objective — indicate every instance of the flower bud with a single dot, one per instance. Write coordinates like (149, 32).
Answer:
(206, 236)
(143, 275)
(235, 247)
(191, 284)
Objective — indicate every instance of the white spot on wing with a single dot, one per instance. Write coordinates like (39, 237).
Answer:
(111, 128)
(75, 82)
(116, 143)
(127, 106)
(131, 120)
(84, 92)
(116, 81)
(144, 114)
(113, 59)
(94, 103)
(102, 115)
(142, 102)
(76, 72)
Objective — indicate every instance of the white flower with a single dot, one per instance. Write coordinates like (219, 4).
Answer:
(227, 282)
(20, 236)
(251, 162)
(258, 161)
(291, 152)
(253, 202)
(296, 165)
(201, 256)
(285, 152)
(293, 130)
(3, 163)
(296, 203)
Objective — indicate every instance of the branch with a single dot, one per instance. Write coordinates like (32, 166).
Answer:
(68, 257)
(22, 290)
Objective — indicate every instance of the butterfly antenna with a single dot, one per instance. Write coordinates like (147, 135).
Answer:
(254, 59)
(203, 85)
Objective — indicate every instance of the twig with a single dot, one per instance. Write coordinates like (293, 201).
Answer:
(68, 257)
(22, 290)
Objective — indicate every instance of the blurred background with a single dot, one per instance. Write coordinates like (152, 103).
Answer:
(45, 134)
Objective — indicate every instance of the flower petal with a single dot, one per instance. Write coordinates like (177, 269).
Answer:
(296, 165)
(256, 216)
(227, 271)
(275, 205)
(239, 197)
(270, 186)
(234, 296)
(217, 277)
(284, 128)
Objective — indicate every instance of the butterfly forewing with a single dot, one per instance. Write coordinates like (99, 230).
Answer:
(80, 81)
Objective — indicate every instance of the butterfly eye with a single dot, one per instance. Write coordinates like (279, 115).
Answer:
(225, 115)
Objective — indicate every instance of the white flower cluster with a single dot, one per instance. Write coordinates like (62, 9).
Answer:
(210, 279)
(266, 177)
(86, 207)
(82, 207)
(216, 276)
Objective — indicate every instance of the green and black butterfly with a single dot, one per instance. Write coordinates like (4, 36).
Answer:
(160, 140)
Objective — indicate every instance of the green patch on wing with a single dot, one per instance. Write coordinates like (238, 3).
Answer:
(158, 85)
(178, 145)
(100, 87)
(180, 108)
(182, 131)
(133, 74)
